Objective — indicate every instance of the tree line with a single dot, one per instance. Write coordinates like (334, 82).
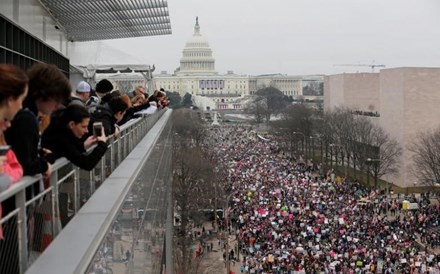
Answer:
(198, 184)
(342, 138)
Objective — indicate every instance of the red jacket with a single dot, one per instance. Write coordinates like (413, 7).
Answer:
(13, 172)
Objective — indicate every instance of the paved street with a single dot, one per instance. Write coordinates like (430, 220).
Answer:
(213, 260)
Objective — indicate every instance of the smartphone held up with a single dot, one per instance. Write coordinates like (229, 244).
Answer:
(97, 129)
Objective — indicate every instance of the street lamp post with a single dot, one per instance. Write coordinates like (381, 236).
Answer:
(369, 161)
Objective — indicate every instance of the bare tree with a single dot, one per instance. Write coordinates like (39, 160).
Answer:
(192, 174)
(426, 157)
(190, 188)
(357, 141)
(389, 154)
(338, 130)
(296, 124)
(188, 126)
(360, 146)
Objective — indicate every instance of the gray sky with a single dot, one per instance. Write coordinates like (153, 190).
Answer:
(297, 37)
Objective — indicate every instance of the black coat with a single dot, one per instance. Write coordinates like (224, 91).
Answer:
(61, 141)
(130, 113)
(24, 138)
(103, 114)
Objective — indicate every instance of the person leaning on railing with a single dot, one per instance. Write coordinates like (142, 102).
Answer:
(65, 138)
(132, 109)
(48, 87)
(10, 169)
(109, 115)
(14, 86)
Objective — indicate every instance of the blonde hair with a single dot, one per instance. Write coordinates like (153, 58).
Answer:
(137, 97)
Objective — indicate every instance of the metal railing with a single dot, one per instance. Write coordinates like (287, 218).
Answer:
(135, 240)
(33, 222)
(109, 233)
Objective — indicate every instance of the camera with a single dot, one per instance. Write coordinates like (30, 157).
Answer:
(4, 149)
(97, 129)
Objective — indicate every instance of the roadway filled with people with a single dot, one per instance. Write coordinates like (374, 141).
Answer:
(289, 218)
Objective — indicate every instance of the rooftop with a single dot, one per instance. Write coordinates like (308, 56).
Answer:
(110, 19)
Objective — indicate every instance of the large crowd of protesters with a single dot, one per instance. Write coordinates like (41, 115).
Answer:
(43, 118)
(289, 217)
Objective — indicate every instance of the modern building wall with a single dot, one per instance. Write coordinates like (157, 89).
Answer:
(410, 100)
(333, 91)
(365, 95)
(406, 99)
(357, 91)
(32, 17)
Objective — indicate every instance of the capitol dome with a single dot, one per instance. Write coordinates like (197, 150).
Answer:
(197, 55)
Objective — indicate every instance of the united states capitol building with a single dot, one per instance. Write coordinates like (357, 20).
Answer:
(197, 76)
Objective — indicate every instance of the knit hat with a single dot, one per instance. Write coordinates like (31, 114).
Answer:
(83, 87)
(104, 86)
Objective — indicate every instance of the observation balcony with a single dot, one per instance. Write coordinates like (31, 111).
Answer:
(120, 212)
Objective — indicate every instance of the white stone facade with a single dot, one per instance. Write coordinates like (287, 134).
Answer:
(197, 56)
(197, 76)
(211, 85)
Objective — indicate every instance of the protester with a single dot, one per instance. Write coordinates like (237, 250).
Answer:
(290, 219)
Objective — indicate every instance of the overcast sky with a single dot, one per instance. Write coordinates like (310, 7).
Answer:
(297, 37)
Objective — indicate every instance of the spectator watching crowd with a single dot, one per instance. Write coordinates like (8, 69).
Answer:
(41, 120)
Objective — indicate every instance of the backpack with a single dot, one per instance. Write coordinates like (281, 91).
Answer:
(92, 103)
(75, 101)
